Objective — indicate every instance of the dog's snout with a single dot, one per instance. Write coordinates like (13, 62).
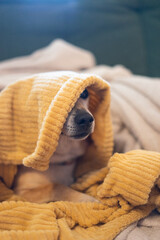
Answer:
(80, 122)
(83, 118)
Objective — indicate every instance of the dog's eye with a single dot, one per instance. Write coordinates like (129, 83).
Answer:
(84, 94)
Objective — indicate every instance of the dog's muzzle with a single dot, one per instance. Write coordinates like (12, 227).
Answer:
(79, 125)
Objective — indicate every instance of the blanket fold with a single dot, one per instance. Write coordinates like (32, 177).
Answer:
(32, 113)
(97, 220)
(131, 175)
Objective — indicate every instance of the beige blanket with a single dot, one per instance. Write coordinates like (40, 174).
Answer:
(135, 106)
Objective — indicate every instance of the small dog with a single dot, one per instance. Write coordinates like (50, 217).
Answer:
(51, 185)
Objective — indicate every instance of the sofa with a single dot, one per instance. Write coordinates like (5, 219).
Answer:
(116, 31)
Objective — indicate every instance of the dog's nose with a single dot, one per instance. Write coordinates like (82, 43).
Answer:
(83, 118)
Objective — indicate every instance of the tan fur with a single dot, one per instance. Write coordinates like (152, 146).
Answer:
(47, 186)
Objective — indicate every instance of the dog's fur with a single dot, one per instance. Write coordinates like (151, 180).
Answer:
(51, 185)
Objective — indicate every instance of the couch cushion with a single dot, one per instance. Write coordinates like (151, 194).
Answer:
(116, 31)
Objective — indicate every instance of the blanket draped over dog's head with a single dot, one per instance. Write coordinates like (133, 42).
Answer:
(34, 110)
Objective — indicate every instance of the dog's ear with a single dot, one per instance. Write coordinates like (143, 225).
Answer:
(95, 97)
(101, 140)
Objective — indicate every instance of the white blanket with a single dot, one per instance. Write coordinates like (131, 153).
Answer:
(59, 55)
(135, 106)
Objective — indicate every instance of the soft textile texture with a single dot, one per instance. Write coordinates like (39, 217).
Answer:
(127, 187)
(126, 138)
(119, 206)
(135, 104)
(146, 229)
(53, 57)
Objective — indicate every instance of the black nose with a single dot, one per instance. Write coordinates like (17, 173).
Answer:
(83, 118)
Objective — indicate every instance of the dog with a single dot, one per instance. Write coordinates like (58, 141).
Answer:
(52, 184)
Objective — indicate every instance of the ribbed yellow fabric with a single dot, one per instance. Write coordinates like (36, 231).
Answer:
(67, 220)
(130, 170)
(33, 111)
(32, 114)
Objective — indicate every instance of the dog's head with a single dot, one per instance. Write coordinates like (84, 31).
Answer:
(80, 122)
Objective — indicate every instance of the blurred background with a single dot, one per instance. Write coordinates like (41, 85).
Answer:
(123, 32)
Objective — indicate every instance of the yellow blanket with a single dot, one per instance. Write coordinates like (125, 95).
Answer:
(32, 114)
